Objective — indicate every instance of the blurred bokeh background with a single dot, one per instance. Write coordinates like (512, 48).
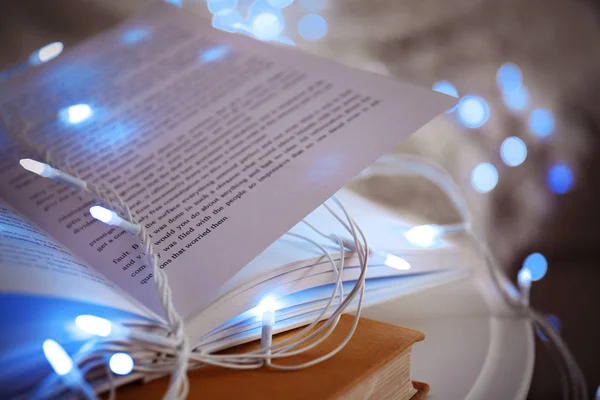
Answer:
(523, 141)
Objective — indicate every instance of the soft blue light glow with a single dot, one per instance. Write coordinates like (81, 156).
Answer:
(473, 111)
(76, 114)
(228, 21)
(537, 265)
(516, 100)
(313, 5)
(94, 325)
(513, 151)
(484, 177)
(47, 53)
(267, 26)
(312, 27)
(36, 167)
(104, 215)
(178, 3)
(554, 321)
(221, 6)
(448, 88)
(135, 35)
(560, 178)
(57, 357)
(509, 77)
(280, 3)
(423, 235)
(541, 122)
(121, 363)
(268, 303)
(214, 53)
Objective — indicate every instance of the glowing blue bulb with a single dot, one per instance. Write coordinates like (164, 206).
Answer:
(554, 321)
(58, 358)
(513, 151)
(47, 53)
(94, 325)
(313, 5)
(221, 6)
(36, 167)
(537, 265)
(473, 111)
(267, 304)
(446, 87)
(178, 3)
(560, 179)
(267, 26)
(423, 235)
(516, 100)
(484, 177)
(105, 215)
(280, 3)
(76, 114)
(121, 363)
(541, 122)
(135, 35)
(228, 21)
(214, 53)
(312, 27)
(509, 77)
(396, 262)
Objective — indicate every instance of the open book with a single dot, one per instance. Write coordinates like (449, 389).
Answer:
(220, 144)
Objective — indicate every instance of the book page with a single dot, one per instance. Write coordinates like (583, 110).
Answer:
(31, 262)
(218, 142)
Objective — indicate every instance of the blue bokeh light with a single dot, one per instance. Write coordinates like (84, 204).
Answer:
(313, 5)
(516, 100)
(280, 3)
(46, 53)
(560, 178)
(312, 27)
(484, 177)
(218, 7)
(513, 151)
(448, 88)
(473, 111)
(135, 35)
(214, 53)
(554, 321)
(541, 122)
(509, 77)
(267, 26)
(537, 265)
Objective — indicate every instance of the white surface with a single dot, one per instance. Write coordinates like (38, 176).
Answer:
(475, 348)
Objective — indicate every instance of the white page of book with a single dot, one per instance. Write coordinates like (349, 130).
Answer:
(218, 142)
(33, 263)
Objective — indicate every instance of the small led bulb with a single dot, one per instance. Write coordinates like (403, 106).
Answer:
(94, 325)
(58, 358)
(110, 217)
(396, 262)
(47, 171)
(423, 235)
(121, 363)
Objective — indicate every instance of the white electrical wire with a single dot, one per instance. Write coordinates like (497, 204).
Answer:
(415, 165)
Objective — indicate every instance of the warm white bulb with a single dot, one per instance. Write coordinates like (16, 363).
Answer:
(94, 325)
(36, 167)
(121, 363)
(104, 215)
(423, 235)
(58, 358)
(396, 262)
